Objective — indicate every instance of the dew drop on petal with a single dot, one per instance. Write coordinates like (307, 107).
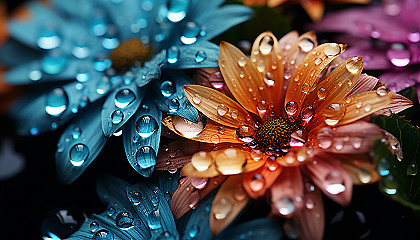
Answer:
(309, 203)
(124, 220)
(187, 128)
(78, 154)
(239, 193)
(173, 54)
(245, 133)
(234, 114)
(117, 116)
(291, 107)
(146, 125)
(241, 62)
(332, 50)
(53, 63)
(76, 132)
(305, 88)
(193, 231)
(222, 109)
(383, 167)
(399, 55)
(215, 139)
(153, 220)
(191, 33)
(412, 169)
(334, 183)
(382, 91)
(333, 114)
(266, 45)
(317, 61)
(201, 161)
(285, 206)
(325, 138)
(321, 93)
(230, 161)
(257, 182)
(103, 234)
(167, 88)
(390, 184)
(353, 64)
(222, 208)
(173, 105)
(262, 107)
(200, 56)
(56, 102)
(135, 197)
(216, 80)
(146, 157)
(306, 45)
(177, 10)
(196, 99)
(123, 98)
(94, 226)
(307, 115)
(199, 183)
(48, 38)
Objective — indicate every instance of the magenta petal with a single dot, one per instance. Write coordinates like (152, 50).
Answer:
(400, 79)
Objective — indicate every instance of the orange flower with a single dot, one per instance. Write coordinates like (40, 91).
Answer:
(294, 128)
(314, 8)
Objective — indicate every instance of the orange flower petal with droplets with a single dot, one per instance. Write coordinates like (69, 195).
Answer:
(399, 103)
(217, 106)
(242, 77)
(212, 132)
(363, 84)
(230, 199)
(295, 157)
(257, 182)
(306, 74)
(187, 197)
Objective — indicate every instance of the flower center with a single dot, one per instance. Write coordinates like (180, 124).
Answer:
(274, 136)
(129, 53)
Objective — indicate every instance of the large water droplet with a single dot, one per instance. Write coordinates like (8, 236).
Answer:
(245, 133)
(103, 234)
(230, 161)
(390, 184)
(82, 76)
(124, 97)
(191, 32)
(399, 55)
(298, 138)
(199, 183)
(382, 91)
(262, 107)
(146, 125)
(173, 105)
(266, 45)
(200, 56)
(167, 88)
(48, 38)
(94, 226)
(412, 169)
(187, 128)
(153, 220)
(173, 54)
(177, 10)
(354, 64)
(222, 109)
(135, 197)
(117, 117)
(291, 108)
(78, 154)
(307, 115)
(146, 157)
(257, 182)
(332, 50)
(57, 102)
(222, 208)
(305, 88)
(53, 63)
(383, 166)
(124, 220)
(325, 138)
(76, 132)
(285, 206)
(241, 62)
(333, 114)
(334, 183)
(306, 45)
(193, 231)
(321, 93)
(201, 161)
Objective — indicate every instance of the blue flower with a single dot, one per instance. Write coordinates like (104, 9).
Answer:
(141, 211)
(97, 60)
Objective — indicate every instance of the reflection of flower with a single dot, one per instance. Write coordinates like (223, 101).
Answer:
(387, 40)
(87, 50)
(141, 211)
(297, 126)
(314, 8)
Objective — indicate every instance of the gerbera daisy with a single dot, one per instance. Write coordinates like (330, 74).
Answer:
(92, 62)
(296, 127)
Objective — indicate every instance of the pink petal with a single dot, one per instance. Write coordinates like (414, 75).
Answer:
(363, 84)
(399, 104)
(400, 79)
(374, 59)
(178, 153)
(330, 177)
(288, 40)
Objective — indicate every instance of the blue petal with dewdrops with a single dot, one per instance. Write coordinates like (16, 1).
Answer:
(78, 52)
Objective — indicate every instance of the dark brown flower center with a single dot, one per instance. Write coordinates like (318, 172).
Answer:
(274, 136)
(128, 53)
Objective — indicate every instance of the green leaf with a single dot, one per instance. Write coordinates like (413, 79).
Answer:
(413, 112)
(403, 181)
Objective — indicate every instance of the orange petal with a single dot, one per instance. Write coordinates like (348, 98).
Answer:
(275, 3)
(359, 166)
(399, 103)
(306, 74)
(178, 153)
(230, 199)
(267, 56)
(257, 182)
(211, 77)
(187, 197)
(217, 106)
(314, 8)
(287, 192)
(209, 131)
(287, 41)
(363, 84)
(333, 89)
(330, 177)
(242, 77)
(228, 161)
(295, 157)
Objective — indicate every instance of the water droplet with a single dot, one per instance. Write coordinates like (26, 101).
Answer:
(241, 62)
(215, 139)
(80, 51)
(332, 50)
(53, 63)
(222, 208)
(146, 125)
(382, 91)
(191, 33)
(57, 102)
(173, 54)
(103, 234)
(414, 37)
(177, 10)
(153, 220)
(173, 105)
(124, 220)
(216, 80)
(146, 157)
(187, 128)
(399, 55)
(306, 45)
(305, 88)
(48, 38)
(230, 161)
(261, 66)
(333, 114)
(167, 88)
(103, 86)
(94, 226)
(196, 99)
(321, 93)
(266, 45)
(390, 184)
(309, 203)
(368, 107)
(262, 107)
(193, 231)
(76, 132)
(354, 64)
(194, 199)
(222, 109)
(124, 97)
(307, 115)
(135, 197)
(35, 73)
(291, 108)
(201, 161)
(357, 142)
(78, 154)
(334, 183)
(325, 138)
(412, 169)
(117, 117)
(317, 61)
(298, 138)
(257, 183)
(110, 211)
(285, 206)
(200, 56)
(82, 76)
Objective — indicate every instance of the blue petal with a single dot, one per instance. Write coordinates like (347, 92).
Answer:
(150, 70)
(119, 106)
(176, 103)
(141, 136)
(79, 145)
(257, 229)
(78, 8)
(153, 209)
(20, 53)
(198, 55)
(167, 183)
